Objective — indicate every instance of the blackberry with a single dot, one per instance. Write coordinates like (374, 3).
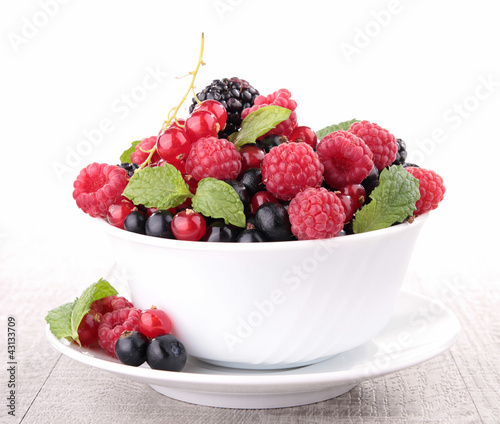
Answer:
(410, 165)
(129, 167)
(234, 94)
(401, 154)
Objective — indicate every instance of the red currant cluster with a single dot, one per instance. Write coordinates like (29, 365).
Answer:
(132, 335)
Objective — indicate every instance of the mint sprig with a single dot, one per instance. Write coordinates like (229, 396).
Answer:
(344, 126)
(161, 187)
(392, 201)
(218, 199)
(65, 320)
(258, 123)
(126, 156)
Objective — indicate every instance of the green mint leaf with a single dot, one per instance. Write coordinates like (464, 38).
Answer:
(161, 187)
(82, 305)
(392, 201)
(59, 320)
(126, 155)
(337, 127)
(64, 320)
(258, 123)
(218, 199)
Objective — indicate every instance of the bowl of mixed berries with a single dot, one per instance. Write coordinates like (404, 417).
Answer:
(271, 245)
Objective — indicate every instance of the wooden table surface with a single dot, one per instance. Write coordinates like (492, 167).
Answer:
(459, 386)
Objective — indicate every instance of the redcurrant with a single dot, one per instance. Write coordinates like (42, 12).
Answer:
(251, 157)
(357, 193)
(173, 145)
(118, 212)
(201, 123)
(154, 322)
(87, 330)
(188, 225)
(348, 204)
(305, 135)
(179, 123)
(261, 197)
(217, 109)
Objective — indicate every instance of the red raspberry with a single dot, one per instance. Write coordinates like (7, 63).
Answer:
(213, 157)
(142, 151)
(114, 324)
(316, 213)
(290, 168)
(97, 187)
(279, 98)
(346, 158)
(89, 326)
(381, 142)
(110, 304)
(431, 189)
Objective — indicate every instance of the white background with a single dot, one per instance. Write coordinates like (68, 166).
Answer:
(418, 68)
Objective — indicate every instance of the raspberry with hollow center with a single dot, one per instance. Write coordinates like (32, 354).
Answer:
(98, 186)
(114, 324)
(380, 141)
(431, 189)
(290, 168)
(346, 158)
(213, 157)
(316, 213)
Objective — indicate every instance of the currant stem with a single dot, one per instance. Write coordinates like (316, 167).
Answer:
(172, 114)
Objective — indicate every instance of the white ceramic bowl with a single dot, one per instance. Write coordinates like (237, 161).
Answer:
(269, 305)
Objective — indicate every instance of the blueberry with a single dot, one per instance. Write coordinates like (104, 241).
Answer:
(251, 235)
(135, 222)
(166, 353)
(242, 192)
(272, 220)
(221, 232)
(252, 180)
(131, 348)
(158, 224)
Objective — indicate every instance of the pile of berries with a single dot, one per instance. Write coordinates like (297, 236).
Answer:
(291, 186)
(132, 335)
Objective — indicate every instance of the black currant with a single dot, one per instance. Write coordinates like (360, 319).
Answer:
(135, 222)
(131, 348)
(370, 182)
(252, 180)
(252, 235)
(270, 141)
(158, 224)
(166, 353)
(242, 192)
(221, 232)
(272, 220)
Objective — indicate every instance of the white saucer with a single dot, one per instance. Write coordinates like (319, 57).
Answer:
(419, 330)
